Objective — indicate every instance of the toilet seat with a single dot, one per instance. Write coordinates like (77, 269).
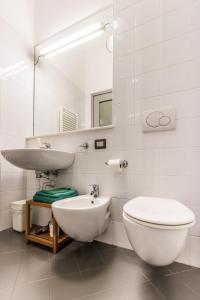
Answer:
(158, 226)
(159, 213)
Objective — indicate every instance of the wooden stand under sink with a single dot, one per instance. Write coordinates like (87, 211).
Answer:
(54, 242)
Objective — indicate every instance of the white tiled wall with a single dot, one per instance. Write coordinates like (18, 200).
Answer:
(158, 53)
(16, 96)
(156, 64)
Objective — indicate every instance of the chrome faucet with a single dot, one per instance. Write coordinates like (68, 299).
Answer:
(95, 190)
(45, 146)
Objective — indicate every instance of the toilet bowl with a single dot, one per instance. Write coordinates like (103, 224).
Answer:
(157, 228)
(83, 217)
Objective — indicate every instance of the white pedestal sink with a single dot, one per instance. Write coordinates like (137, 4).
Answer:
(39, 159)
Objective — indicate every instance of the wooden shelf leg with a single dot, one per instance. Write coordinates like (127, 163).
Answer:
(27, 225)
(55, 236)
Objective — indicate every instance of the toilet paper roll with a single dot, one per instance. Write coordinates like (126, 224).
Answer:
(115, 165)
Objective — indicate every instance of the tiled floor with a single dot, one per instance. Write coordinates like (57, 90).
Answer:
(92, 271)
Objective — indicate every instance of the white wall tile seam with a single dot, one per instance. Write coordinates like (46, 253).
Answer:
(170, 147)
(3, 131)
(179, 176)
(168, 93)
(165, 94)
(166, 13)
(160, 15)
(160, 42)
(17, 32)
(168, 66)
(28, 65)
(13, 190)
(130, 5)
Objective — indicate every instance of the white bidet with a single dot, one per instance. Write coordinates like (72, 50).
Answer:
(83, 217)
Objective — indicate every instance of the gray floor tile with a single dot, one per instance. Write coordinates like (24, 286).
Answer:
(36, 253)
(39, 290)
(143, 291)
(35, 266)
(108, 295)
(111, 277)
(102, 246)
(81, 255)
(5, 294)
(190, 279)
(177, 267)
(88, 260)
(174, 289)
(97, 280)
(67, 252)
(67, 287)
(129, 258)
(60, 267)
(11, 258)
(12, 241)
(114, 294)
(115, 255)
(82, 246)
(152, 272)
(8, 276)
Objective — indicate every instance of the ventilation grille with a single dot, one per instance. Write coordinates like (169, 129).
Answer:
(68, 120)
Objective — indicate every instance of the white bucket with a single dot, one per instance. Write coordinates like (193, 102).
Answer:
(18, 215)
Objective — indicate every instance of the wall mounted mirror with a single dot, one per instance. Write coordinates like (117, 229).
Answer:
(74, 77)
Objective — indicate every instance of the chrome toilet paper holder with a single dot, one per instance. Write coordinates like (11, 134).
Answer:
(123, 164)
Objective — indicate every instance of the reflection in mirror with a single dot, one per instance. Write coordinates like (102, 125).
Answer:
(102, 109)
(71, 68)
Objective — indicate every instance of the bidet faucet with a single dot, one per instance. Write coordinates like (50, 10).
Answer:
(85, 146)
(95, 190)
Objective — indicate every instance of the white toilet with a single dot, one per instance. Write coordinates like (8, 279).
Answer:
(157, 228)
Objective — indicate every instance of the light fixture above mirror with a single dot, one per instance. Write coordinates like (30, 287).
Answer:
(74, 39)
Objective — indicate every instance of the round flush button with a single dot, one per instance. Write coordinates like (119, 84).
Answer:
(164, 121)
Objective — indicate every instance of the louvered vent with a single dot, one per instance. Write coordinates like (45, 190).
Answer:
(68, 120)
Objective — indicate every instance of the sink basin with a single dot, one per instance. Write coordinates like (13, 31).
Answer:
(39, 159)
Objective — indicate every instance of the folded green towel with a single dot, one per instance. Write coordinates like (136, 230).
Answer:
(56, 191)
(51, 196)
(58, 195)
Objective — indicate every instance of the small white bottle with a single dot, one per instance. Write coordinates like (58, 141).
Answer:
(51, 228)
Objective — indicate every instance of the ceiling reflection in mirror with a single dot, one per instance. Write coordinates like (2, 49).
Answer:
(74, 77)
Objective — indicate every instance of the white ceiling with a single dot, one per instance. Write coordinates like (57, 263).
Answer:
(52, 16)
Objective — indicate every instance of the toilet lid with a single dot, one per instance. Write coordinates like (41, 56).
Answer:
(159, 211)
